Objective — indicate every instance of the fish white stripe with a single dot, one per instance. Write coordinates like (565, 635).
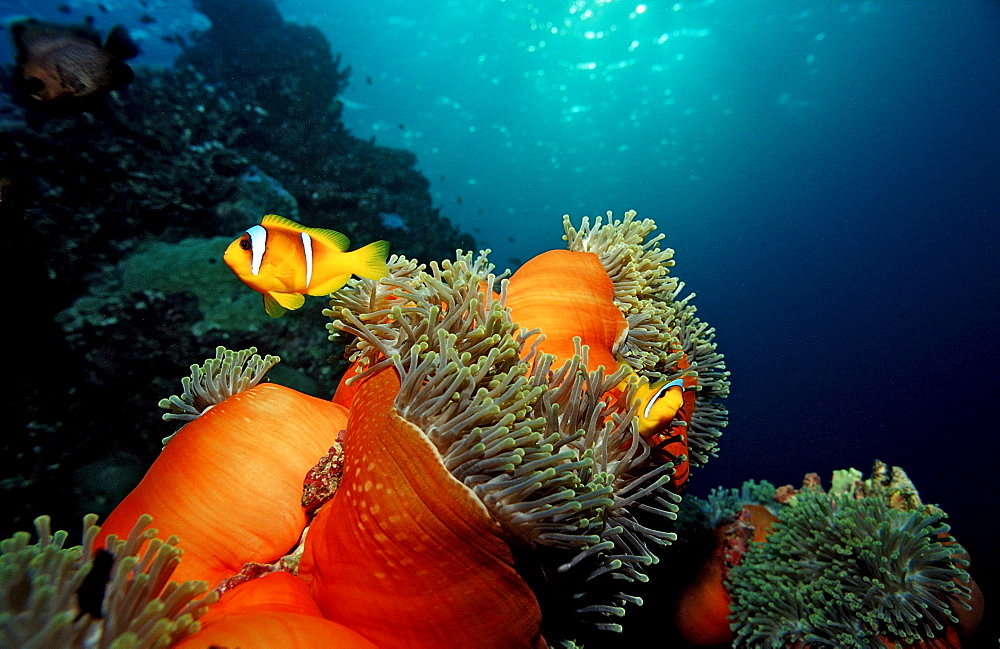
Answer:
(659, 393)
(258, 243)
(307, 246)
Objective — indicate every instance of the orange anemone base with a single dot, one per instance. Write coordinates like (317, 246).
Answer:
(273, 611)
(229, 484)
(702, 613)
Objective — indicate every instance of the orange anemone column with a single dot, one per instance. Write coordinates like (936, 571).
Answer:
(229, 484)
(267, 613)
(405, 554)
(566, 293)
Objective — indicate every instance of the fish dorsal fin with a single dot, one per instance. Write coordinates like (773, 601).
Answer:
(119, 43)
(330, 237)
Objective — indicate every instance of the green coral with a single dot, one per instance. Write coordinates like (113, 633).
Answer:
(193, 265)
(840, 571)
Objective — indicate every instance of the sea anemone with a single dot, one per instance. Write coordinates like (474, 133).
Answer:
(460, 465)
(115, 595)
(548, 458)
(664, 339)
(851, 569)
(726, 524)
(229, 483)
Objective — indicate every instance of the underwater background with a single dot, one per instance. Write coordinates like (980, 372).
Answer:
(827, 172)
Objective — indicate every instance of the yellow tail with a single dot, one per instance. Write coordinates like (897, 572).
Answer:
(370, 260)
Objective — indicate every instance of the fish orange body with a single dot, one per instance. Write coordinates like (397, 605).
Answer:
(662, 418)
(286, 261)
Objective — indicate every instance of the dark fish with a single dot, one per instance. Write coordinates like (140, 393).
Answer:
(90, 596)
(146, 19)
(64, 61)
(64, 9)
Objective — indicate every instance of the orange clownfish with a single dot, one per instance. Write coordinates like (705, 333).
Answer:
(662, 421)
(286, 261)
(659, 403)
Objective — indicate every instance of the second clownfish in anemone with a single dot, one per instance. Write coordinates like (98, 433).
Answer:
(664, 412)
(660, 402)
(286, 261)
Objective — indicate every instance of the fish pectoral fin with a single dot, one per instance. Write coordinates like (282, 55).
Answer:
(284, 272)
(285, 301)
(331, 285)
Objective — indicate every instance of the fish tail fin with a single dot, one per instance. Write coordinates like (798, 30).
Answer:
(367, 262)
(371, 260)
(120, 45)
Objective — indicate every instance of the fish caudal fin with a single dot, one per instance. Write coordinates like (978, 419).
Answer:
(367, 262)
(370, 260)
(277, 303)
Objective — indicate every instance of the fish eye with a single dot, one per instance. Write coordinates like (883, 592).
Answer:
(245, 243)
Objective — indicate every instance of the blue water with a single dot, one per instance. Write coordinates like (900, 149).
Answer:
(828, 173)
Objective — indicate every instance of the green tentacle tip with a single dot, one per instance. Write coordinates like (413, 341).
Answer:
(214, 381)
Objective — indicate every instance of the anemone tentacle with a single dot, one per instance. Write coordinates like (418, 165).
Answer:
(552, 458)
(214, 381)
(49, 596)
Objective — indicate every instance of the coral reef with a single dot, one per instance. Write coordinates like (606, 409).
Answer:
(114, 214)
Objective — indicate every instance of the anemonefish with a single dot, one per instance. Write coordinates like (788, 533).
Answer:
(286, 261)
(662, 421)
(658, 404)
